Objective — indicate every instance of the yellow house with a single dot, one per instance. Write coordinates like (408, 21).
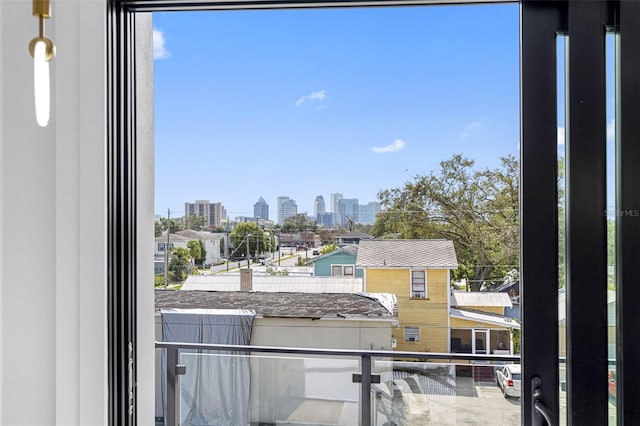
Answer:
(418, 273)
(431, 318)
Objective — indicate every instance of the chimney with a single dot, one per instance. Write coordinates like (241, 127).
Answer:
(246, 279)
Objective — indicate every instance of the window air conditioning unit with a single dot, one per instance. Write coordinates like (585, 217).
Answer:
(418, 295)
(412, 339)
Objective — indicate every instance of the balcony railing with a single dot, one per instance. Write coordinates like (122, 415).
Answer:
(260, 385)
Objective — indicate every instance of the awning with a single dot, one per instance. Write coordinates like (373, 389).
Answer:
(484, 317)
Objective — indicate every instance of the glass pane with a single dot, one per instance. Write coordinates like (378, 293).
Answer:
(406, 120)
(612, 212)
(224, 389)
(562, 58)
(431, 393)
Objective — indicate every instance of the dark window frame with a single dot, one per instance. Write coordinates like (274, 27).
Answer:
(540, 22)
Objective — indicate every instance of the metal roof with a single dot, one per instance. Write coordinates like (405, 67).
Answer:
(474, 298)
(274, 284)
(407, 254)
(281, 305)
(485, 317)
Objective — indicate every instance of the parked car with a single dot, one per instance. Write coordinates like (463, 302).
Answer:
(612, 384)
(508, 379)
(316, 253)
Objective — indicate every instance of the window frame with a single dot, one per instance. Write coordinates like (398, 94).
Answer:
(407, 336)
(342, 268)
(412, 292)
(540, 22)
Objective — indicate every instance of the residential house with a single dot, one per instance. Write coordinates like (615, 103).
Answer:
(418, 273)
(432, 318)
(338, 263)
(160, 244)
(512, 288)
(210, 241)
(479, 324)
(353, 237)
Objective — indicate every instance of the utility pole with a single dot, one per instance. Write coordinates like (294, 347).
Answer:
(166, 251)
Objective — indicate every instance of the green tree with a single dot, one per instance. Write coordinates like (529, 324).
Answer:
(476, 209)
(251, 234)
(158, 228)
(328, 248)
(197, 252)
(175, 225)
(194, 222)
(298, 223)
(180, 263)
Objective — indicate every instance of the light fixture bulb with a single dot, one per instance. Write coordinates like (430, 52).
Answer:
(41, 85)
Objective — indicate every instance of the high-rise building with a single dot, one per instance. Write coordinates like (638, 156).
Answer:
(213, 213)
(368, 212)
(348, 210)
(335, 199)
(286, 208)
(326, 220)
(261, 209)
(318, 206)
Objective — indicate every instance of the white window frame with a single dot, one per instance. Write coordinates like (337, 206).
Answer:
(413, 294)
(408, 335)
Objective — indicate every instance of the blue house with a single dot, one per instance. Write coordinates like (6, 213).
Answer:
(339, 263)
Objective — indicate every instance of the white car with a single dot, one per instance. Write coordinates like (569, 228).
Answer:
(508, 379)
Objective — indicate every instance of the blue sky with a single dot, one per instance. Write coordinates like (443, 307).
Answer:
(311, 102)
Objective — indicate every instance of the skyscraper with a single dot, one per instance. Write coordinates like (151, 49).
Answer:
(335, 199)
(349, 210)
(368, 212)
(318, 206)
(261, 209)
(286, 208)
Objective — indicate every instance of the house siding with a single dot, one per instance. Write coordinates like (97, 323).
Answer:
(322, 267)
(461, 323)
(430, 315)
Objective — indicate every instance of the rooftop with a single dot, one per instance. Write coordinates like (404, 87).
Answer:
(279, 305)
(275, 284)
(474, 298)
(407, 254)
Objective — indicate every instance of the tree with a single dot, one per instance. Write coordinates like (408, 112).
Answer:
(249, 233)
(476, 209)
(196, 251)
(175, 225)
(194, 222)
(298, 223)
(158, 228)
(328, 248)
(180, 263)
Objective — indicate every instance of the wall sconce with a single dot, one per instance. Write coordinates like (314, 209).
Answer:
(42, 50)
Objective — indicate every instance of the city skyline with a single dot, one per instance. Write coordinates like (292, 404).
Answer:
(358, 101)
(189, 208)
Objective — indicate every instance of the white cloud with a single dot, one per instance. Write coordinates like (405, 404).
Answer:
(396, 146)
(611, 131)
(159, 51)
(561, 138)
(318, 96)
(470, 128)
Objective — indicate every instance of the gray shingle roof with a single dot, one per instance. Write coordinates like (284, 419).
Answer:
(407, 254)
(281, 305)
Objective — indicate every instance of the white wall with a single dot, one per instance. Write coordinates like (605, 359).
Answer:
(53, 326)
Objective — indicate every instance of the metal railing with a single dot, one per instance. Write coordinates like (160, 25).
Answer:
(174, 369)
